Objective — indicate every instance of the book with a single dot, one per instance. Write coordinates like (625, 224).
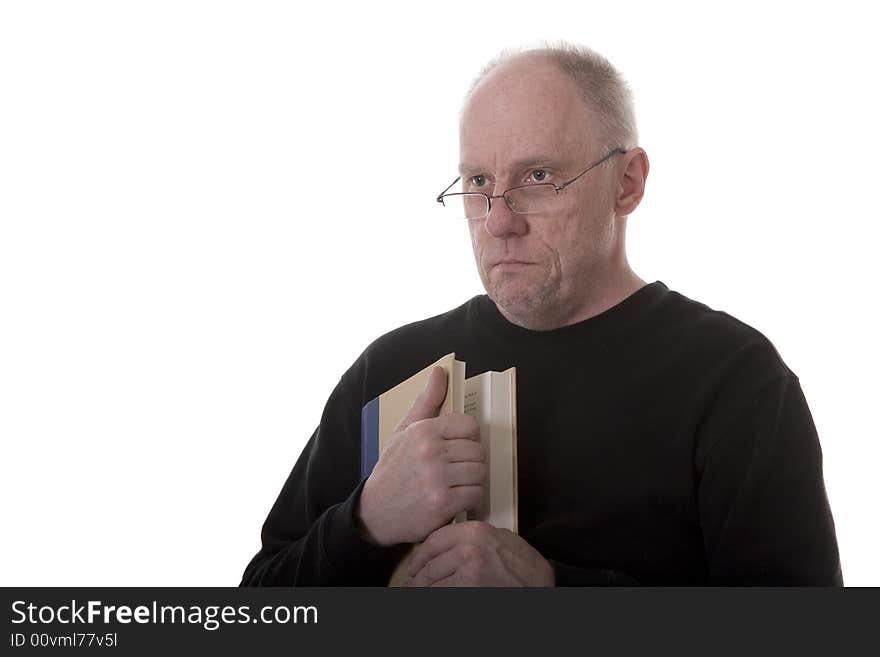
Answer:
(490, 398)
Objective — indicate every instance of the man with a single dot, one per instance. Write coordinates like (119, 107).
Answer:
(660, 442)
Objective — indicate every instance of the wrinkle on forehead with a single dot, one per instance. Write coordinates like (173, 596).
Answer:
(536, 159)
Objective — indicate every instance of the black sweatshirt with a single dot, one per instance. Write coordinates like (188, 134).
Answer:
(659, 443)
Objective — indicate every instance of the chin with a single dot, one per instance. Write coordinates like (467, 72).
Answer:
(521, 300)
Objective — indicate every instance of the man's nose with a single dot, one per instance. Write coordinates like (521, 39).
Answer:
(502, 221)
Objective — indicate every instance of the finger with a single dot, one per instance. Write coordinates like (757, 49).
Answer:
(463, 450)
(458, 425)
(465, 473)
(438, 568)
(453, 580)
(464, 498)
(429, 400)
(439, 541)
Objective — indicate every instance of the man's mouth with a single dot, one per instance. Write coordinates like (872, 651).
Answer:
(511, 264)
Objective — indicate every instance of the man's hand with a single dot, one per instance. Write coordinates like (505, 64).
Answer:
(431, 469)
(477, 554)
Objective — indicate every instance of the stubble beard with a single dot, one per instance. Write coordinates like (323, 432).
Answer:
(528, 306)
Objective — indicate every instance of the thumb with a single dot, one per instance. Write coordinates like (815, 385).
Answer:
(429, 400)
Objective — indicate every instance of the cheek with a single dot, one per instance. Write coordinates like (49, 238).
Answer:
(571, 240)
(478, 240)
(554, 235)
(474, 233)
(585, 219)
(477, 229)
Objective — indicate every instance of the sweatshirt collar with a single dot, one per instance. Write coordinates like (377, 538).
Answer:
(612, 320)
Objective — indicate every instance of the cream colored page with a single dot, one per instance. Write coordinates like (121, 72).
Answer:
(477, 403)
(513, 441)
(502, 445)
(458, 407)
(490, 398)
(458, 401)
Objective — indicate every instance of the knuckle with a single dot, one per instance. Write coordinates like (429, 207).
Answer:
(410, 431)
(427, 449)
(417, 430)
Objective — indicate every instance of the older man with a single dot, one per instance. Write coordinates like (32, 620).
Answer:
(660, 442)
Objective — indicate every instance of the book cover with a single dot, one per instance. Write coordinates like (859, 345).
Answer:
(381, 416)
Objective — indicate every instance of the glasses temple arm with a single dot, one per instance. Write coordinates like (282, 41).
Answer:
(440, 195)
(613, 151)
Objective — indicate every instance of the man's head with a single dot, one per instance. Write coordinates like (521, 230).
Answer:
(545, 116)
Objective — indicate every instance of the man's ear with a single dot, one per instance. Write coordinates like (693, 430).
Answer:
(631, 184)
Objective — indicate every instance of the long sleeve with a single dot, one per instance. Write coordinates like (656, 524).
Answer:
(310, 536)
(762, 501)
(568, 575)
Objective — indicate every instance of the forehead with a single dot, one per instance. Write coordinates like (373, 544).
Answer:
(522, 109)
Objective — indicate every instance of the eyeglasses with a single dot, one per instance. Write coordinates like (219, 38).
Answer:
(524, 199)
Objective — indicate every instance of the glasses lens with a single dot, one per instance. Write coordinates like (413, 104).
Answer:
(532, 199)
(467, 206)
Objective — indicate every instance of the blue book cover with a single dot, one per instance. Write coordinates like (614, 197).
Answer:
(369, 437)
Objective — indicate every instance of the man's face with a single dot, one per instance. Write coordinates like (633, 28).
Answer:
(526, 123)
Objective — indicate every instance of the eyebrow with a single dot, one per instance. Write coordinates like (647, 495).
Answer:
(518, 165)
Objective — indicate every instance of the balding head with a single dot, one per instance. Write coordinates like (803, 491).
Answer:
(599, 84)
(522, 109)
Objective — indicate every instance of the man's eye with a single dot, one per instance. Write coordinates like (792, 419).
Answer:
(539, 175)
(478, 181)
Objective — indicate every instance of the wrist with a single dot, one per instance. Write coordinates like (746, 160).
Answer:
(366, 525)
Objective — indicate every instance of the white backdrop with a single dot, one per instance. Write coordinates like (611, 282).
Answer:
(208, 209)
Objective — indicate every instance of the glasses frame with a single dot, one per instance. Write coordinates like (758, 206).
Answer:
(557, 188)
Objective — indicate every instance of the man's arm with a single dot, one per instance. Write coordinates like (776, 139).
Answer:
(311, 536)
(332, 552)
(762, 501)
(568, 575)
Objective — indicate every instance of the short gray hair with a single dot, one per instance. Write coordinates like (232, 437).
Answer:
(602, 86)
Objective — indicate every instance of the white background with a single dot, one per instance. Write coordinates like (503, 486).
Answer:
(208, 209)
